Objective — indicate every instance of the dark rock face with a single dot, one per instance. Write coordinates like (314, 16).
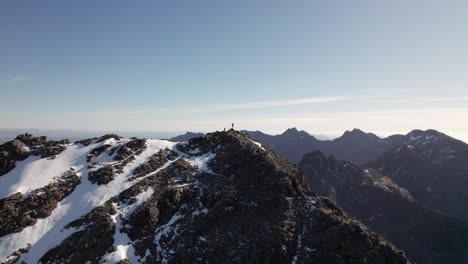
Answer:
(102, 175)
(108, 136)
(50, 149)
(31, 140)
(342, 180)
(433, 168)
(388, 209)
(18, 212)
(134, 147)
(26, 145)
(85, 142)
(334, 231)
(40, 146)
(11, 152)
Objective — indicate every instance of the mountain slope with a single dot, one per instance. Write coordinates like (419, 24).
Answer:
(218, 198)
(358, 146)
(433, 168)
(427, 236)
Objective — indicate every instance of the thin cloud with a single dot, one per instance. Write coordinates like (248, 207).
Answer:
(250, 105)
(283, 103)
(17, 79)
(435, 99)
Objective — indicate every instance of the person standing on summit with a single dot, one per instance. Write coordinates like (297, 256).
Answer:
(232, 126)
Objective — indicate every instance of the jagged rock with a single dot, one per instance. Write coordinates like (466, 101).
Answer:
(31, 140)
(102, 175)
(15, 150)
(85, 142)
(10, 152)
(25, 145)
(108, 136)
(52, 149)
(133, 147)
(333, 231)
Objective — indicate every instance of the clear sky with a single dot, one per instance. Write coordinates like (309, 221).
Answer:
(322, 66)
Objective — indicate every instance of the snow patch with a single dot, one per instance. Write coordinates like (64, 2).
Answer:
(299, 246)
(258, 144)
(201, 162)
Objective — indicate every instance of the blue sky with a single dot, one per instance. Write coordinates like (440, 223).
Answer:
(323, 66)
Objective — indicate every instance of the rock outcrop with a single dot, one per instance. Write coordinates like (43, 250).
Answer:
(26, 145)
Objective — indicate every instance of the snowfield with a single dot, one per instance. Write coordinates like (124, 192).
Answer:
(49, 232)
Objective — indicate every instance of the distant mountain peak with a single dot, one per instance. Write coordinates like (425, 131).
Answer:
(295, 132)
(291, 130)
(429, 134)
(185, 137)
(357, 133)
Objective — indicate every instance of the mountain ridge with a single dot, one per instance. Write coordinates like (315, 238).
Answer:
(388, 209)
(158, 201)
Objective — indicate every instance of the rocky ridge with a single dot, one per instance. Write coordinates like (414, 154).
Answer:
(388, 209)
(432, 167)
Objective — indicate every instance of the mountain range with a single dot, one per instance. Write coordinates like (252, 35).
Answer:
(356, 145)
(424, 233)
(411, 189)
(233, 197)
(218, 198)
